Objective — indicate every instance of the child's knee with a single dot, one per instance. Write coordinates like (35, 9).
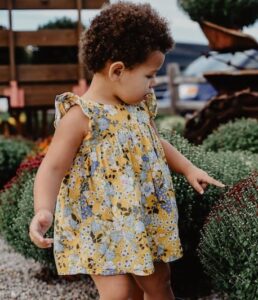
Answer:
(117, 287)
(158, 281)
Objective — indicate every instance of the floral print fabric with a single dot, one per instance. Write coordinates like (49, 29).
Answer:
(116, 211)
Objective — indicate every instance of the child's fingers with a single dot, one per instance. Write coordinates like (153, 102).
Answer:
(213, 181)
(40, 241)
(49, 240)
(197, 186)
(205, 180)
(204, 185)
(37, 237)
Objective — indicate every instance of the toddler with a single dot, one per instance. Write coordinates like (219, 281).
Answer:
(105, 180)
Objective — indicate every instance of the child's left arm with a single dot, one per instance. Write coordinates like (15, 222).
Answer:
(198, 178)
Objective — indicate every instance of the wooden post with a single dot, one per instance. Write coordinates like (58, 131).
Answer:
(79, 30)
(11, 42)
(173, 71)
(81, 88)
(16, 95)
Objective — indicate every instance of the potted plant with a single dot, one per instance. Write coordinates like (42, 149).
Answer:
(222, 21)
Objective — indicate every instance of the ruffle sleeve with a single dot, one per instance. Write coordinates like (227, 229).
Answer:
(151, 103)
(64, 102)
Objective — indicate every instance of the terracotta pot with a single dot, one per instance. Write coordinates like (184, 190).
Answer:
(224, 39)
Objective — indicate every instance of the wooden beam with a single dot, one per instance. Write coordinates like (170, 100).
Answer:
(11, 42)
(41, 94)
(53, 4)
(81, 74)
(44, 37)
(41, 73)
(37, 95)
(5, 75)
(4, 38)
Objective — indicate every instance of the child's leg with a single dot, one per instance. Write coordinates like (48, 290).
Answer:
(137, 292)
(114, 287)
(156, 286)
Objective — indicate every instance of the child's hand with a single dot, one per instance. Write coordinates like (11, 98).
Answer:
(39, 225)
(199, 179)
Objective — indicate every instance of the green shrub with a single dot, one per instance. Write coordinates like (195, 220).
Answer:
(193, 208)
(12, 152)
(16, 212)
(228, 13)
(228, 247)
(241, 134)
(228, 167)
(172, 123)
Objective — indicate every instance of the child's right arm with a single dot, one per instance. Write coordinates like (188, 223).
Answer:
(67, 138)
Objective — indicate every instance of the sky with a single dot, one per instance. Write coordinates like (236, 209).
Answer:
(182, 28)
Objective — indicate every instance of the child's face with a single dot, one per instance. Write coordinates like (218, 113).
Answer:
(134, 84)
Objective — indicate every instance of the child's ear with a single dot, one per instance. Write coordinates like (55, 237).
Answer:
(116, 70)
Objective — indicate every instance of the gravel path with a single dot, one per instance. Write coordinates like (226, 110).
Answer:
(18, 280)
(22, 279)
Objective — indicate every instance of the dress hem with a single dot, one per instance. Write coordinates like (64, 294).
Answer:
(122, 272)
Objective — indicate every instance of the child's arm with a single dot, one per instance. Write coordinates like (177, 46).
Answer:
(67, 138)
(180, 164)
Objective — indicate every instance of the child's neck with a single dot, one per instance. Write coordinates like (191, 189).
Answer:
(100, 90)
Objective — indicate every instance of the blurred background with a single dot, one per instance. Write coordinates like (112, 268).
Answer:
(207, 96)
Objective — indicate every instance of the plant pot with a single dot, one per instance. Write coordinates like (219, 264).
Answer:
(227, 82)
(224, 39)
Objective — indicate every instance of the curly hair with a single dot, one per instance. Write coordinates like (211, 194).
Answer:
(124, 32)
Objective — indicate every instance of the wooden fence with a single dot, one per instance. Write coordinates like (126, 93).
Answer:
(37, 85)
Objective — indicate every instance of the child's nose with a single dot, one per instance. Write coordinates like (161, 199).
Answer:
(153, 82)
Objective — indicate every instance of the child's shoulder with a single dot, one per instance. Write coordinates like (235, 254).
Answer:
(70, 113)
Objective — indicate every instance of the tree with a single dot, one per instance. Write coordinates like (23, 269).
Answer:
(56, 54)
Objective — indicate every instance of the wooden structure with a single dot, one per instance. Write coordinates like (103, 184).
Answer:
(37, 85)
(174, 80)
(234, 80)
(221, 39)
(220, 110)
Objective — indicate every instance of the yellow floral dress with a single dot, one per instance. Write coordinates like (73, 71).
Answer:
(116, 211)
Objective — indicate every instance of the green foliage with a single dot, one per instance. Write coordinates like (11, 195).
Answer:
(228, 13)
(228, 247)
(228, 167)
(12, 152)
(16, 212)
(59, 23)
(16, 208)
(241, 134)
(172, 123)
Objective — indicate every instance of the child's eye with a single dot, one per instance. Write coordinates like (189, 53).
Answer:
(150, 76)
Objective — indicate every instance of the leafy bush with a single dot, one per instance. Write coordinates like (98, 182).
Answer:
(241, 134)
(16, 212)
(229, 167)
(59, 23)
(172, 123)
(12, 152)
(228, 13)
(17, 205)
(228, 247)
